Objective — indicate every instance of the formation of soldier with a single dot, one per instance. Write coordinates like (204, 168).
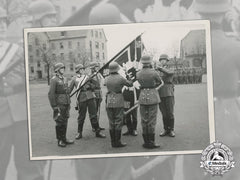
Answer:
(188, 76)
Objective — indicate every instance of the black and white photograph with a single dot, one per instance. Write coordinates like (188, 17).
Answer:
(119, 90)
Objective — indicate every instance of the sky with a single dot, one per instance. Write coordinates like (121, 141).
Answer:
(160, 37)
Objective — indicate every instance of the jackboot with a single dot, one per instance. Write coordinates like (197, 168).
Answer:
(152, 144)
(164, 133)
(112, 136)
(67, 141)
(79, 133)
(145, 139)
(60, 133)
(118, 142)
(99, 134)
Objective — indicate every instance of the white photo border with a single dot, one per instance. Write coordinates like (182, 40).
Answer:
(206, 23)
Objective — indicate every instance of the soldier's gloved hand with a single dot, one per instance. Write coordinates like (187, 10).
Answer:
(131, 76)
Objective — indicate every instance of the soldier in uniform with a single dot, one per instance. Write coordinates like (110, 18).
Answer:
(97, 88)
(85, 101)
(43, 13)
(59, 99)
(130, 95)
(115, 103)
(166, 94)
(13, 112)
(149, 99)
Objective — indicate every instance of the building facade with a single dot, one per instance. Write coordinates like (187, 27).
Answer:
(193, 49)
(70, 47)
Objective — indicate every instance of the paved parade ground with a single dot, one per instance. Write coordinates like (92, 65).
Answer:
(191, 126)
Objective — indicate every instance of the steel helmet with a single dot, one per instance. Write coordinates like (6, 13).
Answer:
(58, 66)
(105, 13)
(164, 57)
(93, 64)
(3, 13)
(78, 67)
(40, 8)
(146, 59)
(211, 6)
(113, 67)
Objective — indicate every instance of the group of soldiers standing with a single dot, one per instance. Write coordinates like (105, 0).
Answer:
(155, 89)
(188, 76)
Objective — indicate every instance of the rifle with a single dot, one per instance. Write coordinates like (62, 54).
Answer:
(93, 75)
(137, 103)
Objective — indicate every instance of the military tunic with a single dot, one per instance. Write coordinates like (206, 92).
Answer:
(96, 80)
(59, 97)
(166, 94)
(149, 79)
(114, 100)
(85, 101)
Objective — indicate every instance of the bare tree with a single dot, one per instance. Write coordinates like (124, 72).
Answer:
(81, 55)
(46, 52)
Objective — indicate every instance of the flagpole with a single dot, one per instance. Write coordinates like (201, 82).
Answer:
(103, 67)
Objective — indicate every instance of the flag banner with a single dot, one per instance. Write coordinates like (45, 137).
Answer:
(128, 58)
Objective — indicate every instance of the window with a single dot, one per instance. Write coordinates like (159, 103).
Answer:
(36, 41)
(32, 69)
(30, 48)
(70, 55)
(92, 32)
(78, 44)
(53, 46)
(97, 45)
(62, 56)
(96, 34)
(37, 52)
(97, 55)
(31, 59)
(79, 55)
(54, 57)
(70, 44)
(63, 33)
(100, 34)
(71, 67)
(38, 64)
(44, 46)
(61, 45)
(102, 45)
(103, 55)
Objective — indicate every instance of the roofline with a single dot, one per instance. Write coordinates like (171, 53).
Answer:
(67, 38)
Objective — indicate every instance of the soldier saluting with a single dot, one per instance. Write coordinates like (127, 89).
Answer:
(149, 99)
(166, 94)
(85, 101)
(59, 98)
(115, 103)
